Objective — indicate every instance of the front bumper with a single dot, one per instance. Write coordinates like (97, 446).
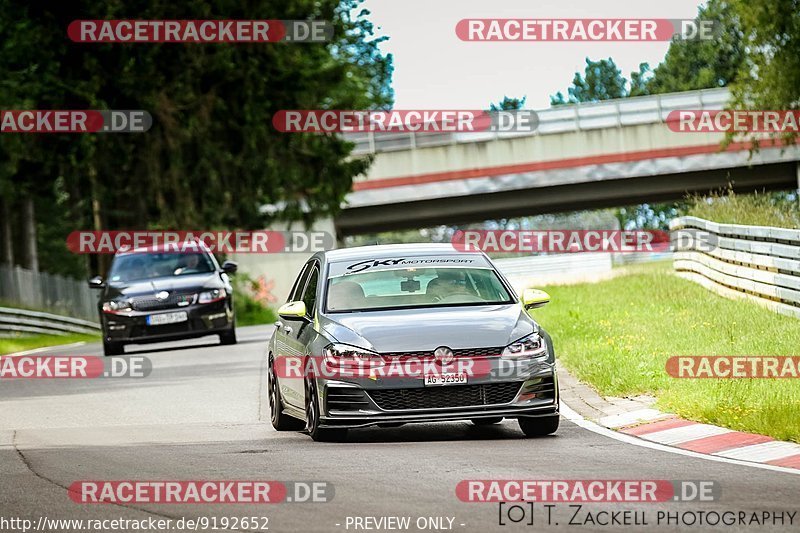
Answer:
(203, 319)
(363, 403)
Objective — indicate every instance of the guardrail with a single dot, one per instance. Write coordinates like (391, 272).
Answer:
(40, 290)
(35, 322)
(559, 119)
(758, 263)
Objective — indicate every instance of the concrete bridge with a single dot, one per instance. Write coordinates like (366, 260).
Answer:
(582, 156)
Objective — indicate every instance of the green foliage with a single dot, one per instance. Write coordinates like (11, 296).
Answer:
(769, 77)
(617, 335)
(508, 104)
(602, 80)
(703, 64)
(249, 310)
(778, 209)
(21, 343)
(212, 157)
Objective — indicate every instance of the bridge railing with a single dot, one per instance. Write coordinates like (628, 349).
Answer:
(758, 263)
(566, 118)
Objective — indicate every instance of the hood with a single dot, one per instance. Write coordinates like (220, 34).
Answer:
(207, 280)
(426, 329)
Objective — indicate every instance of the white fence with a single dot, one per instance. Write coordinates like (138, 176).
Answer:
(758, 263)
(54, 293)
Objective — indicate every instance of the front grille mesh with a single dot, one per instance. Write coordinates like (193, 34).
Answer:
(149, 303)
(458, 352)
(446, 396)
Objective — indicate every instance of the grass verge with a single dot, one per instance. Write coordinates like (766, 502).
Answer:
(618, 334)
(21, 344)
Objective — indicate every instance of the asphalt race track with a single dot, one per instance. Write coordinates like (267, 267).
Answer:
(202, 414)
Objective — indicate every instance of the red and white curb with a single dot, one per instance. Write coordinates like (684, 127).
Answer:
(669, 430)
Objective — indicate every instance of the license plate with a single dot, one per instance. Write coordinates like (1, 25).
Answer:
(447, 378)
(167, 318)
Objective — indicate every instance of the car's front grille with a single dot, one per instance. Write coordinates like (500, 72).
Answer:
(457, 352)
(150, 303)
(346, 399)
(446, 396)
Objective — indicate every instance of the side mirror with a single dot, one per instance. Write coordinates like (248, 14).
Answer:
(97, 283)
(293, 310)
(534, 298)
(230, 267)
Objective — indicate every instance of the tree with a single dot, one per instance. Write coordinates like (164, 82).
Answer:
(602, 80)
(508, 104)
(769, 76)
(703, 64)
(212, 158)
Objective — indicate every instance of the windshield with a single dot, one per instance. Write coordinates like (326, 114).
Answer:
(140, 266)
(415, 287)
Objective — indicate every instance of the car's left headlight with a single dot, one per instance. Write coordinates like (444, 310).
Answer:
(214, 295)
(531, 346)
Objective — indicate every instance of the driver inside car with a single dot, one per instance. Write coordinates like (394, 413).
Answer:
(448, 282)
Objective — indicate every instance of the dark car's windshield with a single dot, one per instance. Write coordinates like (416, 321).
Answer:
(415, 287)
(139, 266)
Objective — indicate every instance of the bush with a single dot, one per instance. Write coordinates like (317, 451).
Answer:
(778, 209)
(249, 310)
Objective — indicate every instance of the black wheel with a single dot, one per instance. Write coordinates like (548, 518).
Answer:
(538, 426)
(312, 419)
(229, 337)
(486, 421)
(113, 348)
(280, 420)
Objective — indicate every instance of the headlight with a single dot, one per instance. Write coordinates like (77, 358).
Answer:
(343, 354)
(206, 297)
(117, 306)
(530, 346)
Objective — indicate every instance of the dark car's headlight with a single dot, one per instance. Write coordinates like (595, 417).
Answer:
(117, 306)
(214, 295)
(531, 346)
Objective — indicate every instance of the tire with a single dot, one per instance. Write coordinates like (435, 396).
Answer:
(229, 337)
(280, 420)
(312, 419)
(486, 421)
(113, 348)
(538, 426)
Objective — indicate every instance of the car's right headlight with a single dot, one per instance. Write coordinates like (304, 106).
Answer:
(346, 355)
(531, 346)
(117, 306)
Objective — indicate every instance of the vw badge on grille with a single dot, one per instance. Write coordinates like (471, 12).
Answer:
(443, 355)
(163, 295)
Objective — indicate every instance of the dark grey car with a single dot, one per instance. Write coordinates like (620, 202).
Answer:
(394, 334)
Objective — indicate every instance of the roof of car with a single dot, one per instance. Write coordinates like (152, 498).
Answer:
(392, 250)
